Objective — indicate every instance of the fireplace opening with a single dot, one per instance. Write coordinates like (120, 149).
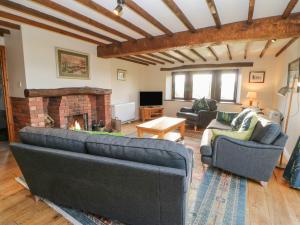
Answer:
(77, 122)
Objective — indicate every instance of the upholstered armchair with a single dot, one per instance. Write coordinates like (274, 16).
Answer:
(199, 119)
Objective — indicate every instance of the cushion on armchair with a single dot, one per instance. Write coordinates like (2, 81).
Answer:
(200, 104)
(226, 117)
(237, 121)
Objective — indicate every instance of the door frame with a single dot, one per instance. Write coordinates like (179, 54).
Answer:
(6, 95)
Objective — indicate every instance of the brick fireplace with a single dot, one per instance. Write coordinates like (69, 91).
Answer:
(62, 107)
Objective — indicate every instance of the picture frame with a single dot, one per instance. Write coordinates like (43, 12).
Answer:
(257, 76)
(72, 64)
(121, 74)
(293, 72)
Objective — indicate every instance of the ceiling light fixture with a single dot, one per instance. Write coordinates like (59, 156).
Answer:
(119, 8)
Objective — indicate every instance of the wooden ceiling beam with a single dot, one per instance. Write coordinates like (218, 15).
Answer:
(140, 11)
(261, 29)
(198, 54)
(4, 31)
(246, 50)
(134, 61)
(214, 12)
(36, 13)
(47, 27)
(9, 25)
(229, 52)
(150, 59)
(251, 11)
(100, 9)
(78, 16)
(141, 60)
(161, 58)
(267, 45)
(286, 46)
(289, 8)
(212, 51)
(184, 55)
(180, 15)
(171, 56)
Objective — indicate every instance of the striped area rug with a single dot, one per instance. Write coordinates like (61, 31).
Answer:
(218, 199)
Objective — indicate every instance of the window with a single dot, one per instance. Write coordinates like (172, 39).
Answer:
(220, 85)
(179, 84)
(202, 85)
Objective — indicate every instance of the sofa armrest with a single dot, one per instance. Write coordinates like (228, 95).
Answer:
(187, 109)
(207, 113)
(245, 158)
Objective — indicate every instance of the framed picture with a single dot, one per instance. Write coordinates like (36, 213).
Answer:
(257, 77)
(72, 65)
(294, 72)
(121, 74)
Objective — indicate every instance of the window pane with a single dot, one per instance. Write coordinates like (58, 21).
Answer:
(201, 85)
(228, 86)
(179, 86)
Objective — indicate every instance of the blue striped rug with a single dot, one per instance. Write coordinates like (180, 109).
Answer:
(217, 199)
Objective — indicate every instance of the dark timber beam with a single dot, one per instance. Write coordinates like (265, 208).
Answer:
(150, 59)
(83, 18)
(268, 44)
(47, 27)
(251, 11)
(291, 5)
(229, 52)
(4, 31)
(141, 60)
(198, 54)
(207, 66)
(212, 51)
(161, 58)
(100, 9)
(140, 11)
(184, 55)
(9, 25)
(246, 50)
(286, 46)
(260, 29)
(134, 61)
(36, 13)
(171, 56)
(180, 15)
(214, 12)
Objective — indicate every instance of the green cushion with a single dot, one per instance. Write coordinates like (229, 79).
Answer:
(226, 117)
(237, 121)
(200, 104)
(241, 134)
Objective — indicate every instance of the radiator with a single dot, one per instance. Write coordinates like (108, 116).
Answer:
(124, 112)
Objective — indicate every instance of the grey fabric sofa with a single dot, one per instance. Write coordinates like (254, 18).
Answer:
(251, 159)
(200, 119)
(135, 181)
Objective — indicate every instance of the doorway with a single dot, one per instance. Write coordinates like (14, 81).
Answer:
(6, 116)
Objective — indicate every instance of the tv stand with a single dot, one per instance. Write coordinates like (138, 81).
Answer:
(151, 112)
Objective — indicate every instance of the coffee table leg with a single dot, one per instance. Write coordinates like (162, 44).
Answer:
(182, 130)
(140, 133)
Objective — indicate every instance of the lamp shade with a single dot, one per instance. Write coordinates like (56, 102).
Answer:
(283, 91)
(251, 95)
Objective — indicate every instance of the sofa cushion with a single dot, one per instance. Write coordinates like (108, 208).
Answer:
(226, 117)
(248, 122)
(144, 150)
(265, 131)
(188, 115)
(56, 138)
(237, 121)
(200, 104)
(215, 124)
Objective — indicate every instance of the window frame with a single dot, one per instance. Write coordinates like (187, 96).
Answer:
(215, 84)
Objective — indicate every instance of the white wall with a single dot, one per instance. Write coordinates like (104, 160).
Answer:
(281, 103)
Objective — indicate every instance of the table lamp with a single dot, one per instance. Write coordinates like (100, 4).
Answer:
(251, 95)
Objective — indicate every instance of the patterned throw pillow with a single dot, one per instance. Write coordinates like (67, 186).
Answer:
(226, 117)
(237, 121)
(200, 104)
(247, 122)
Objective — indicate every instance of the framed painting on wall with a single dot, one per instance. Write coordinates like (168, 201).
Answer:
(257, 77)
(72, 65)
(121, 74)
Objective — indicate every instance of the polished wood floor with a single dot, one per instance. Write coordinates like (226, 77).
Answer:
(276, 204)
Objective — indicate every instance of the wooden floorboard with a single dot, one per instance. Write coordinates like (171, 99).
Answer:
(276, 204)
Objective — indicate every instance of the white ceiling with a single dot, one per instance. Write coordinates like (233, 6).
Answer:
(195, 10)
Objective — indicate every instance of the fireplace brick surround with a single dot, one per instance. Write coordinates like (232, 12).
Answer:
(59, 104)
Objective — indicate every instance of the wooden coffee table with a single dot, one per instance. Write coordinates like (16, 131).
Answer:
(162, 128)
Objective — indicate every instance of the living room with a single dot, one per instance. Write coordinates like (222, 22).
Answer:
(104, 66)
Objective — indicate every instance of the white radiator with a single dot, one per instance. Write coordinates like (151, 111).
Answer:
(124, 112)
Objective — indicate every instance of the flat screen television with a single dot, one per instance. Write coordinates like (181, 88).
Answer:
(151, 98)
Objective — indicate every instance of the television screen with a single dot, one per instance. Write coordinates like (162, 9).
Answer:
(150, 98)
